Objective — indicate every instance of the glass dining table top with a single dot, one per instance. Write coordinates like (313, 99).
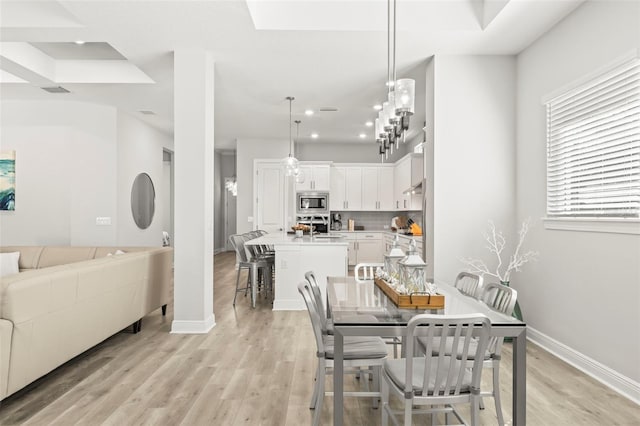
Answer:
(353, 303)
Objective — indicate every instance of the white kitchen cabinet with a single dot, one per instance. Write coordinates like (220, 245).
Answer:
(364, 247)
(316, 177)
(345, 188)
(407, 172)
(377, 188)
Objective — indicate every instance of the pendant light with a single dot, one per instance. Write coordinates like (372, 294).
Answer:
(291, 166)
(400, 105)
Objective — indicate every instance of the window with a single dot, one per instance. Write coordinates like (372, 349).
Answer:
(593, 147)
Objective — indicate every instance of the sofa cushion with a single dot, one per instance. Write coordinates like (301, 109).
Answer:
(105, 251)
(9, 263)
(29, 255)
(53, 256)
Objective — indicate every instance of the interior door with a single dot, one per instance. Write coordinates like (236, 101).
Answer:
(269, 200)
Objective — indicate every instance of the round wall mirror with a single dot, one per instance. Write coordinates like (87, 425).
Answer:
(143, 196)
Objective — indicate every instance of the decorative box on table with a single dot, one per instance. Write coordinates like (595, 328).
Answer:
(411, 301)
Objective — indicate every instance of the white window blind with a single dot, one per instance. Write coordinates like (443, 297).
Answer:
(593, 147)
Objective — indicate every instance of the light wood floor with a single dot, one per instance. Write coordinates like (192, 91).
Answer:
(256, 368)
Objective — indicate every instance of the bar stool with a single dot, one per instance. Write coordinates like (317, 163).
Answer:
(253, 266)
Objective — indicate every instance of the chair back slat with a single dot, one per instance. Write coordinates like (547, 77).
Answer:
(469, 284)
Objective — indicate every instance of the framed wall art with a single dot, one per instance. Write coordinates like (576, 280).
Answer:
(7, 180)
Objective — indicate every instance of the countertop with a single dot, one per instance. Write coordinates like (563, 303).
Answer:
(289, 240)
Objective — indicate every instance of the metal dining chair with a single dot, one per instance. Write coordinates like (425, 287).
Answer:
(359, 353)
(469, 284)
(500, 298)
(437, 381)
(366, 271)
(328, 323)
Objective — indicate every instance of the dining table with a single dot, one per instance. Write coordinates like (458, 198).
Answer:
(348, 298)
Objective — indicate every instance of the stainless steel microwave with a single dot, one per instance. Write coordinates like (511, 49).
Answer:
(312, 203)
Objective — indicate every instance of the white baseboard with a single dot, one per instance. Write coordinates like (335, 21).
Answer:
(289, 305)
(218, 251)
(611, 378)
(193, 327)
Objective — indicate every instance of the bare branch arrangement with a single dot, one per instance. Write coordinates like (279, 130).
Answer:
(496, 243)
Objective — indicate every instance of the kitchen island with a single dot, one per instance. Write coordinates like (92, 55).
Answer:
(321, 254)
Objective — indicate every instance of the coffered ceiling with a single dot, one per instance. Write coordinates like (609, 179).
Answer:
(324, 53)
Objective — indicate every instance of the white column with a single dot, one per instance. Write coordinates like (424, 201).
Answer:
(193, 211)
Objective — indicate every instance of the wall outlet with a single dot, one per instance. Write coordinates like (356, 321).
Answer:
(385, 227)
(103, 221)
(250, 219)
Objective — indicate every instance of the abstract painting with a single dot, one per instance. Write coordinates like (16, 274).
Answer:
(7, 180)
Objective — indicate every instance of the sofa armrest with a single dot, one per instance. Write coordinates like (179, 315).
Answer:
(160, 279)
(6, 331)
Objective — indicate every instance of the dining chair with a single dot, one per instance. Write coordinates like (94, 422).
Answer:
(437, 382)
(366, 271)
(327, 323)
(500, 298)
(359, 352)
(469, 284)
(252, 265)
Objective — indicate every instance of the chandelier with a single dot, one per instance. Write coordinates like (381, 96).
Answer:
(393, 119)
(291, 166)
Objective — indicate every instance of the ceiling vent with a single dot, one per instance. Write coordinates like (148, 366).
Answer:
(56, 89)
(329, 109)
(146, 112)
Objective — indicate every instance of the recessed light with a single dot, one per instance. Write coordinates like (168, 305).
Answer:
(308, 112)
(314, 135)
(369, 123)
(377, 107)
(362, 135)
(79, 42)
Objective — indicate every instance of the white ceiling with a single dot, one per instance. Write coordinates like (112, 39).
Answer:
(327, 53)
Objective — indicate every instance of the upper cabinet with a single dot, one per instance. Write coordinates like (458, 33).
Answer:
(377, 187)
(346, 188)
(407, 173)
(316, 177)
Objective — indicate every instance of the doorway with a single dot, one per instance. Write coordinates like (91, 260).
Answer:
(168, 193)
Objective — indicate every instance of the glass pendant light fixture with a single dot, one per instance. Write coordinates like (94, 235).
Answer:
(291, 165)
(400, 105)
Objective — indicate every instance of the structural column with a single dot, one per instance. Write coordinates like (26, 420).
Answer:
(193, 210)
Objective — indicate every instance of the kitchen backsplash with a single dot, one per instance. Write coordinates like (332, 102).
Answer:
(376, 221)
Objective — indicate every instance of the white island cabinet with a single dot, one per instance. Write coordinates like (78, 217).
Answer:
(295, 256)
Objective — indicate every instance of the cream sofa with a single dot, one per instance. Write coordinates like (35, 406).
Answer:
(66, 300)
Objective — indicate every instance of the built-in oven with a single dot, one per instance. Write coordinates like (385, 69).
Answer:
(320, 223)
(312, 203)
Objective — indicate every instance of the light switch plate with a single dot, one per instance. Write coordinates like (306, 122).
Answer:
(103, 221)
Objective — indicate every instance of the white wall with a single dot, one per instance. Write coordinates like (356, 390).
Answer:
(473, 156)
(76, 161)
(585, 290)
(140, 150)
(347, 152)
(65, 172)
(247, 151)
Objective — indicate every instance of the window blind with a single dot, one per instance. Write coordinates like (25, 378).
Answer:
(593, 147)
